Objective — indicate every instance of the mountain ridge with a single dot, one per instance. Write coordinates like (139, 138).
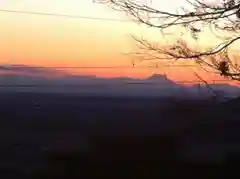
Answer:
(20, 78)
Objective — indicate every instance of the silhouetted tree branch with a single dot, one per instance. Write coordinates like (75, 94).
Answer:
(222, 16)
(215, 95)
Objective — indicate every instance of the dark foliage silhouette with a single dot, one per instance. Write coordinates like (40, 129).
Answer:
(85, 137)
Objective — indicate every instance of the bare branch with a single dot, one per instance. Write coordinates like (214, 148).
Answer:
(222, 17)
(207, 85)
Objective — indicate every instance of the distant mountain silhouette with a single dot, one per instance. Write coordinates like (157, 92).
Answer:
(23, 78)
(161, 79)
(220, 89)
(157, 77)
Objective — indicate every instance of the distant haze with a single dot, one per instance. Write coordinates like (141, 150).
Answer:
(25, 79)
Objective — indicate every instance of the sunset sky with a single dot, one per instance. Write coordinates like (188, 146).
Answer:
(52, 41)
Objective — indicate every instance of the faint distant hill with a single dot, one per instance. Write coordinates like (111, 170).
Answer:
(226, 90)
(21, 78)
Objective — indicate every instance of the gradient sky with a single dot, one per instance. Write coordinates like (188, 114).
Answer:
(57, 41)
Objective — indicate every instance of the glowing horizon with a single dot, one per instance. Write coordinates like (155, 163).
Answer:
(36, 40)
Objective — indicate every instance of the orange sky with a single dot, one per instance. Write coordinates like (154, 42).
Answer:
(56, 41)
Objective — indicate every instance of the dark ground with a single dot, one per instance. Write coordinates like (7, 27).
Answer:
(56, 136)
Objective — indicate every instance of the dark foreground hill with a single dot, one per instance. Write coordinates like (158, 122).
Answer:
(56, 136)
